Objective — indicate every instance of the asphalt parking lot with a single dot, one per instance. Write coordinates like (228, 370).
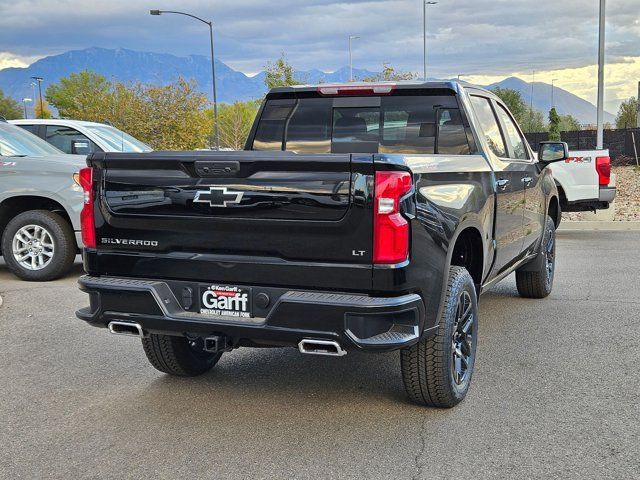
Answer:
(555, 393)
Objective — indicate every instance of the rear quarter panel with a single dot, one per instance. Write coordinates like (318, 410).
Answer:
(42, 177)
(577, 175)
(451, 193)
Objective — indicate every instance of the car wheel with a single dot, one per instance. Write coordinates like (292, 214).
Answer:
(178, 356)
(39, 245)
(437, 370)
(535, 280)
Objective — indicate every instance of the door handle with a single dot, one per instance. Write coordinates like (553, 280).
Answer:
(502, 183)
(527, 181)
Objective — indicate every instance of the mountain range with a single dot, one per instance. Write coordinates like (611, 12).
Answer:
(161, 68)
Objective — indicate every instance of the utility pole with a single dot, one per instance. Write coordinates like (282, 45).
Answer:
(351, 37)
(24, 106)
(638, 107)
(424, 37)
(600, 115)
(553, 80)
(39, 80)
(533, 80)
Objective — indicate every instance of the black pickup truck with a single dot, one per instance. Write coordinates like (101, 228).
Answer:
(359, 217)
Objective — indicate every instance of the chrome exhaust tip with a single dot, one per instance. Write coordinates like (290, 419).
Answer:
(321, 347)
(129, 329)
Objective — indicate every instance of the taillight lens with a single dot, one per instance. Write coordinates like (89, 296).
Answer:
(87, 222)
(390, 228)
(603, 166)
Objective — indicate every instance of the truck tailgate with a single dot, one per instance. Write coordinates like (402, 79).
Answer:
(241, 217)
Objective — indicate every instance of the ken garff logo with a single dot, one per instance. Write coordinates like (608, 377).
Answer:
(218, 197)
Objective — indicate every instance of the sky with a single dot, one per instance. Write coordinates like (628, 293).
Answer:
(484, 40)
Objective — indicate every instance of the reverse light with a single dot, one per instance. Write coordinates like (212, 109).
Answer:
(603, 167)
(390, 228)
(87, 222)
(357, 89)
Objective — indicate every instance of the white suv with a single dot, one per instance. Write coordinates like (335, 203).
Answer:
(82, 138)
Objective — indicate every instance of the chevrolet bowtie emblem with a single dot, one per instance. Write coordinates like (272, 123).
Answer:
(218, 197)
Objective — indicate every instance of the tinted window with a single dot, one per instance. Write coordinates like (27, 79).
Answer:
(489, 124)
(309, 129)
(270, 132)
(518, 149)
(64, 138)
(401, 124)
(29, 128)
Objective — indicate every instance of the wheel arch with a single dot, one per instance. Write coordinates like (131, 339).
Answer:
(14, 206)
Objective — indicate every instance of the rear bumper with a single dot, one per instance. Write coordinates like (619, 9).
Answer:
(607, 194)
(356, 322)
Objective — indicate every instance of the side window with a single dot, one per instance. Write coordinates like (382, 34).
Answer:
(69, 140)
(29, 128)
(518, 148)
(489, 124)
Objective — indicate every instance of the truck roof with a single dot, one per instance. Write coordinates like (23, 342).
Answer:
(453, 85)
(57, 121)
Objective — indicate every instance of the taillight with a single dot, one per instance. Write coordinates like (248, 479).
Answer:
(87, 222)
(603, 166)
(390, 228)
(357, 89)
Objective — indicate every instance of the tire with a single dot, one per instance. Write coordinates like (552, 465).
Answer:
(178, 355)
(52, 236)
(535, 280)
(432, 372)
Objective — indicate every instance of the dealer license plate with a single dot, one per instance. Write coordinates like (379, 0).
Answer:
(225, 300)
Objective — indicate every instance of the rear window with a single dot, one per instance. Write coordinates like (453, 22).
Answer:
(409, 124)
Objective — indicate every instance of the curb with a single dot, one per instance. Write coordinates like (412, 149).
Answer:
(0, 300)
(600, 226)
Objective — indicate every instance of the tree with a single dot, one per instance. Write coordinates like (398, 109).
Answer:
(234, 123)
(41, 109)
(83, 96)
(517, 106)
(280, 74)
(534, 122)
(627, 114)
(390, 74)
(569, 123)
(554, 125)
(9, 108)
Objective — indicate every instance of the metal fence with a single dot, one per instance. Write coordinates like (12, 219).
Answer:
(618, 141)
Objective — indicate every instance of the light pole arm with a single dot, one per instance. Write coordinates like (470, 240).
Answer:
(187, 15)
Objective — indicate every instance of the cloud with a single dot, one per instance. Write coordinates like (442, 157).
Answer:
(480, 37)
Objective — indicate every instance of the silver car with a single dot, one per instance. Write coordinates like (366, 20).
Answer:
(40, 205)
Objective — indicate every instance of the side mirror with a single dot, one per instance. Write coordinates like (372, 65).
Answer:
(549, 152)
(80, 147)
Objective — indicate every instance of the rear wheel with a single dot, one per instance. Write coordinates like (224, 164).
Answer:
(178, 356)
(39, 245)
(437, 370)
(535, 280)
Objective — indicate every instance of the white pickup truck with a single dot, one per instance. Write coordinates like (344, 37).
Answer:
(584, 181)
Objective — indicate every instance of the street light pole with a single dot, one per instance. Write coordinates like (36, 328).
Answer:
(533, 80)
(424, 37)
(213, 68)
(39, 80)
(24, 106)
(600, 114)
(351, 37)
